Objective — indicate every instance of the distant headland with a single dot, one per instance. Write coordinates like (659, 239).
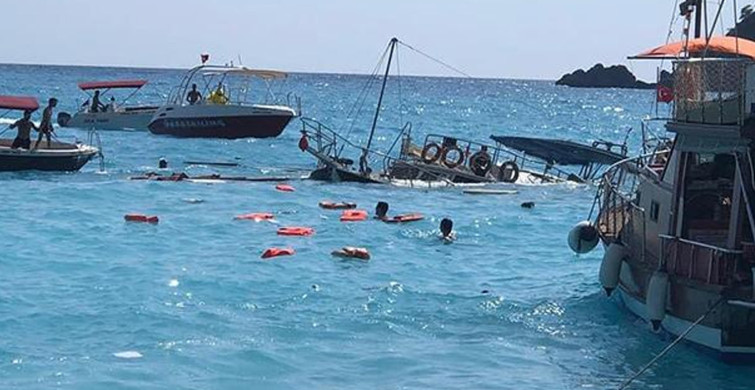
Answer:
(599, 76)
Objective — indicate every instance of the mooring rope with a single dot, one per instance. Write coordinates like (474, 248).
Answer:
(670, 346)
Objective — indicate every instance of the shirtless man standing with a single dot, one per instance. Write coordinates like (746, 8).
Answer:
(24, 126)
(45, 128)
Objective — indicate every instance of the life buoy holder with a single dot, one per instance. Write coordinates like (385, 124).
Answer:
(427, 158)
(480, 163)
(296, 231)
(446, 153)
(508, 172)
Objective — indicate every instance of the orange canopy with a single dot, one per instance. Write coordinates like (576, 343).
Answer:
(717, 46)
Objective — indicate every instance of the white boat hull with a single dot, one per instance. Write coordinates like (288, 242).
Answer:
(129, 120)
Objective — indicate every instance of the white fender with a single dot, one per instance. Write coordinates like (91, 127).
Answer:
(656, 297)
(583, 237)
(610, 267)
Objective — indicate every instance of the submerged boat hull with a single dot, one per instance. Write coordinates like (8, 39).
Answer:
(221, 121)
(60, 157)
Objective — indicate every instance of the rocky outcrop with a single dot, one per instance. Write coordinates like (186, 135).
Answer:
(617, 76)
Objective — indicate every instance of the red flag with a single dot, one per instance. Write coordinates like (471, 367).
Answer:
(664, 94)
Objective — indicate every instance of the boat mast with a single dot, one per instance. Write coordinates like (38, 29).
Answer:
(393, 44)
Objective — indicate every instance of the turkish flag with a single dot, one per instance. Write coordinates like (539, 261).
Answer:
(664, 94)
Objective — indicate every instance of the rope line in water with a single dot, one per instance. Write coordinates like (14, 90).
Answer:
(670, 346)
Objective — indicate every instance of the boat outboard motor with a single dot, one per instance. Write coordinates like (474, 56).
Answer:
(63, 119)
(583, 237)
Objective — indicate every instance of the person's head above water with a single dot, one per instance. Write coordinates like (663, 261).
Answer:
(381, 210)
(163, 163)
(446, 227)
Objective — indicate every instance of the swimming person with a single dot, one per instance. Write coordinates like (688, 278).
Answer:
(193, 97)
(24, 126)
(381, 211)
(97, 105)
(447, 230)
(45, 128)
(162, 163)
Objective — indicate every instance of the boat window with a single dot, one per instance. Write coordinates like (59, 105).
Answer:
(655, 210)
(708, 187)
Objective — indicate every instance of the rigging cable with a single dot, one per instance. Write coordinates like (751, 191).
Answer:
(362, 97)
(431, 58)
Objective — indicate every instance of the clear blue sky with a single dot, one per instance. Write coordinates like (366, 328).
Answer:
(535, 39)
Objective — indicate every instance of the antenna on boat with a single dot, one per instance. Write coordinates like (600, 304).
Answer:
(393, 44)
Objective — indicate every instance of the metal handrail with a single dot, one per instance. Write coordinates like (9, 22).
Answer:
(702, 245)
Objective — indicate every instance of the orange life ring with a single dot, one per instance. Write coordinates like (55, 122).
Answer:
(284, 188)
(352, 252)
(275, 252)
(426, 151)
(141, 218)
(257, 217)
(403, 218)
(296, 231)
(354, 216)
(452, 164)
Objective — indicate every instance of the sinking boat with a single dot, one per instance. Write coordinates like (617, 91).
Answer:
(678, 223)
(58, 156)
(373, 166)
(113, 116)
(223, 110)
(591, 159)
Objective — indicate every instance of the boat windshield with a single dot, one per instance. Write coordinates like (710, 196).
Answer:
(226, 85)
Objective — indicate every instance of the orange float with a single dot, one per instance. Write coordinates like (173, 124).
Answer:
(141, 218)
(284, 188)
(275, 252)
(296, 231)
(256, 217)
(354, 216)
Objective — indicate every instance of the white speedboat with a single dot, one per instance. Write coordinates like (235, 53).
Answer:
(118, 116)
(58, 156)
(222, 111)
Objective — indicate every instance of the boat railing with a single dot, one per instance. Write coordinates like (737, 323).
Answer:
(702, 262)
(329, 143)
(499, 155)
(711, 90)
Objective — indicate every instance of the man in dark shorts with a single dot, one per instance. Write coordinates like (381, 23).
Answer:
(24, 126)
(193, 97)
(45, 128)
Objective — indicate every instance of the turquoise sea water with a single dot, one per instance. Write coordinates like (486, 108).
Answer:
(88, 301)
